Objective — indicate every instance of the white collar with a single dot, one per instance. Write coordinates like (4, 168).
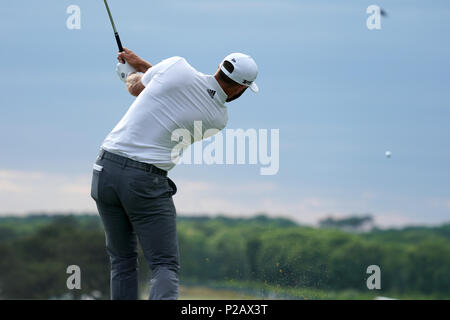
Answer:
(221, 95)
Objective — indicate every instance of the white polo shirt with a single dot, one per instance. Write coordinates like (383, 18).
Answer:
(175, 96)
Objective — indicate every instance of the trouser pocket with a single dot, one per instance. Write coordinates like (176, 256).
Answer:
(95, 181)
(172, 186)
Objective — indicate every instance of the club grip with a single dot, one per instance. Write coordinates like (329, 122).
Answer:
(119, 44)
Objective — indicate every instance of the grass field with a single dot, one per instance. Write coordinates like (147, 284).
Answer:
(205, 293)
(236, 291)
(221, 292)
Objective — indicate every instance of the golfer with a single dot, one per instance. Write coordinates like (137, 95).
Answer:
(130, 185)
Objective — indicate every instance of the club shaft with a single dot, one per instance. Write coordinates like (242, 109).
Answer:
(119, 44)
(116, 34)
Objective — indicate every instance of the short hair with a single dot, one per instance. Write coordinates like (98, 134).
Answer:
(223, 77)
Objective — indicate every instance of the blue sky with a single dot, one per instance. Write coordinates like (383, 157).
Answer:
(340, 94)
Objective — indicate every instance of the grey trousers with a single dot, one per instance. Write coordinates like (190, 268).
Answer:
(136, 204)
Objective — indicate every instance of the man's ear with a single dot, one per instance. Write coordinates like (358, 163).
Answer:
(229, 99)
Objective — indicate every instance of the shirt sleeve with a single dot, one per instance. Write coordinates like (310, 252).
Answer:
(158, 68)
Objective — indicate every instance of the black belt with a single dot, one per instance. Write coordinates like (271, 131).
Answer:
(131, 163)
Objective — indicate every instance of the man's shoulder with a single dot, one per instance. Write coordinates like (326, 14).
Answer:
(168, 62)
(174, 59)
(178, 62)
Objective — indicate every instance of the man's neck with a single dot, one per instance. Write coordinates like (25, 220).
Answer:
(222, 85)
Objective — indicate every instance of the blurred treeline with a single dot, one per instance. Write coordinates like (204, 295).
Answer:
(36, 250)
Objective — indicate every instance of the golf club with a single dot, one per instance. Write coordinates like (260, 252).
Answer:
(116, 34)
(123, 69)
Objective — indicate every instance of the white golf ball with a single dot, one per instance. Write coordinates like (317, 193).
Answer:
(388, 154)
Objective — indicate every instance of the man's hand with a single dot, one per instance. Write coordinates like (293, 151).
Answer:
(133, 60)
(124, 70)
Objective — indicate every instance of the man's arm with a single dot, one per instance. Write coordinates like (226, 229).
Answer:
(133, 60)
(134, 84)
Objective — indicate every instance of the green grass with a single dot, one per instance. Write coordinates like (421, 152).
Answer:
(205, 293)
(235, 290)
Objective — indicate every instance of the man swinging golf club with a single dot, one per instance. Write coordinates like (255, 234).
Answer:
(130, 184)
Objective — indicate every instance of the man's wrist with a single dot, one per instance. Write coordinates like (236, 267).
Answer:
(144, 66)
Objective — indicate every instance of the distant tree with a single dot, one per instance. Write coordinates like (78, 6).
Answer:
(352, 223)
(36, 251)
(36, 264)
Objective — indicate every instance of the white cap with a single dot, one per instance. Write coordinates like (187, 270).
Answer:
(244, 72)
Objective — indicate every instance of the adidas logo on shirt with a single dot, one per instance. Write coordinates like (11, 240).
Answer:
(211, 93)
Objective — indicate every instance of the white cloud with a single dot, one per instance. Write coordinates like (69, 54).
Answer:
(248, 199)
(439, 203)
(22, 192)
